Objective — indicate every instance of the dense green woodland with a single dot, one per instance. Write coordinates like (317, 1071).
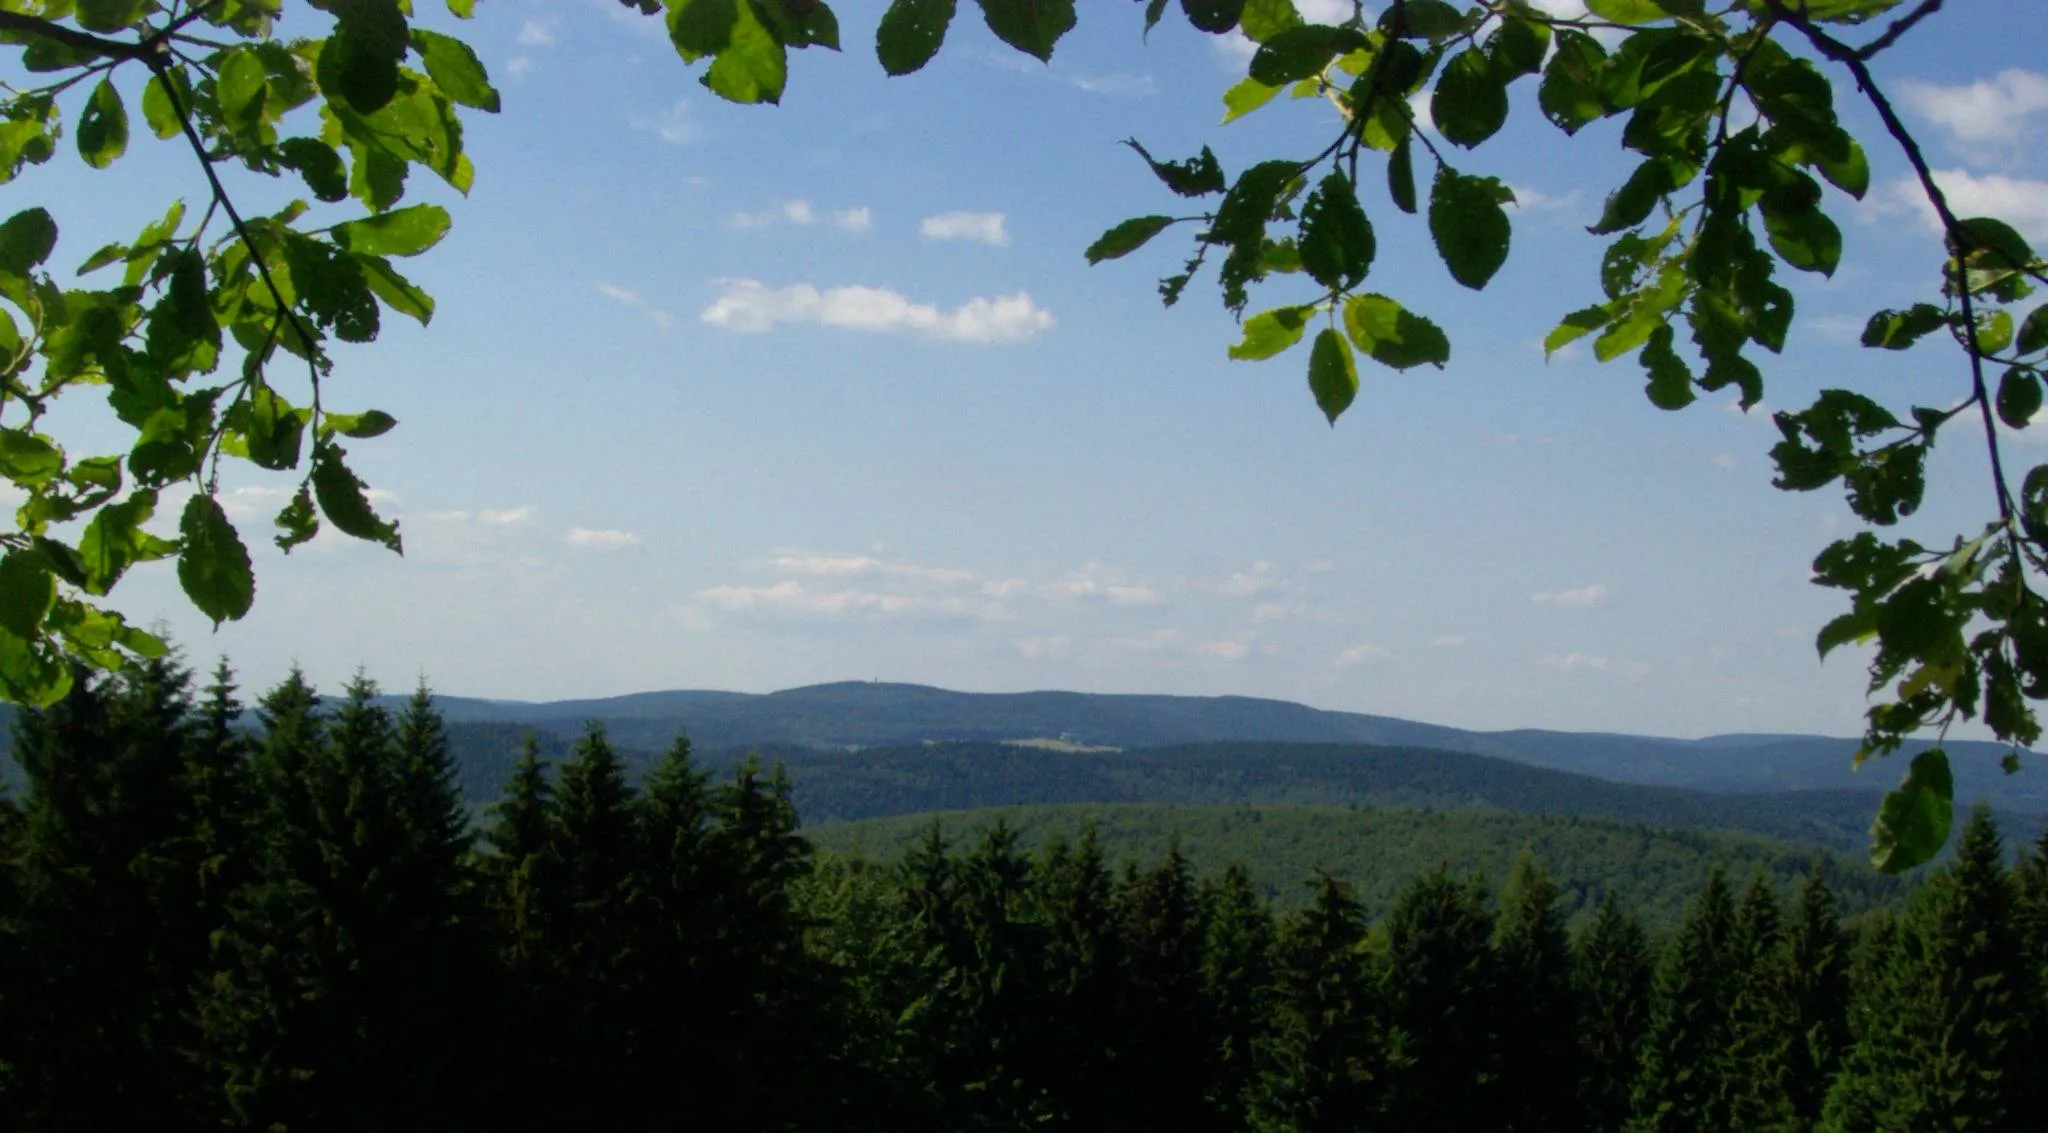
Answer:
(200, 929)
(1653, 871)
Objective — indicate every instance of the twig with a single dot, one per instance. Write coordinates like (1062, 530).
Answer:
(1899, 27)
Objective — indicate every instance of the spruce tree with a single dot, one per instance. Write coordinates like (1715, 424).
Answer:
(1752, 1077)
(521, 890)
(1164, 1035)
(1946, 1043)
(1237, 971)
(1813, 983)
(1536, 1013)
(1440, 985)
(1323, 1062)
(1611, 977)
(1083, 969)
(1682, 1085)
(1878, 1061)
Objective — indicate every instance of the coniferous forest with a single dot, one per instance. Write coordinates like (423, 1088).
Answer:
(300, 926)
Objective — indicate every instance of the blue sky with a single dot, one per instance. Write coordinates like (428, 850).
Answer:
(747, 398)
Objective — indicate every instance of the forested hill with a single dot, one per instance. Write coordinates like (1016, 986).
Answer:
(1655, 872)
(860, 714)
(878, 782)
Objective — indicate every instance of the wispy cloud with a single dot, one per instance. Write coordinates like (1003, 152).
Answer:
(1574, 660)
(800, 212)
(1221, 650)
(677, 125)
(1997, 110)
(536, 33)
(749, 306)
(840, 566)
(1582, 598)
(508, 516)
(1448, 641)
(793, 598)
(601, 539)
(627, 297)
(2018, 201)
(984, 227)
(1359, 655)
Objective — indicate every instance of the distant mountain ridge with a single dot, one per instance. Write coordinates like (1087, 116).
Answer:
(863, 714)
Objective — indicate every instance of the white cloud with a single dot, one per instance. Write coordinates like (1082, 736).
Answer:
(1359, 654)
(517, 66)
(987, 227)
(749, 306)
(2017, 201)
(536, 33)
(800, 212)
(1581, 598)
(630, 298)
(1127, 86)
(601, 539)
(1245, 583)
(1044, 648)
(1998, 109)
(1113, 593)
(508, 516)
(1269, 612)
(1448, 641)
(1221, 650)
(793, 598)
(1528, 198)
(1574, 661)
(676, 126)
(831, 566)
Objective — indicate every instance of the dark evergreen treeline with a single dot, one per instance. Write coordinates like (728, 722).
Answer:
(201, 930)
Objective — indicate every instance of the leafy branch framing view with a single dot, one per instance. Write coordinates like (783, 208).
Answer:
(1730, 110)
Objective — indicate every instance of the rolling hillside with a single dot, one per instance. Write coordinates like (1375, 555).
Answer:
(848, 715)
(1379, 850)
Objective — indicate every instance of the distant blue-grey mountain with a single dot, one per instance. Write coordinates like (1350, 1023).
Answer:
(859, 714)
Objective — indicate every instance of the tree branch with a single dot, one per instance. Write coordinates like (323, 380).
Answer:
(94, 45)
(1899, 27)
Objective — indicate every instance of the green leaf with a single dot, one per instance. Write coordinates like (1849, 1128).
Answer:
(115, 540)
(1337, 244)
(157, 108)
(2019, 397)
(1270, 332)
(28, 459)
(752, 67)
(296, 522)
(1469, 226)
(1519, 46)
(1126, 238)
(1391, 336)
(362, 426)
(213, 565)
(272, 428)
(1261, 20)
(1213, 16)
(109, 15)
(1570, 92)
(404, 232)
(1898, 330)
(1401, 176)
(1422, 19)
(1913, 823)
(1994, 331)
(1670, 384)
(27, 589)
(1632, 204)
(1030, 26)
(1332, 374)
(455, 68)
(358, 64)
(1628, 11)
(911, 33)
(1807, 239)
(318, 164)
(1998, 237)
(343, 501)
(242, 86)
(1300, 53)
(397, 292)
(2034, 331)
(31, 672)
(1197, 176)
(1470, 102)
(103, 126)
(1246, 96)
(1854, 626)
(701, 27)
